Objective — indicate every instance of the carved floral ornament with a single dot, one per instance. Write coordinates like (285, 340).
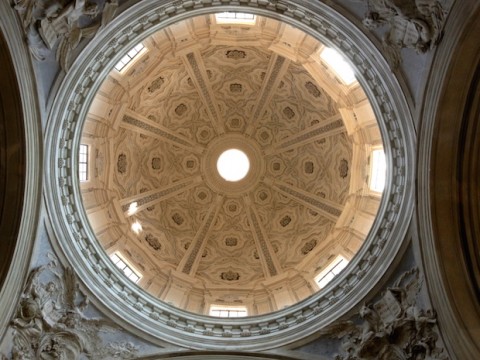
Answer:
(148, 314)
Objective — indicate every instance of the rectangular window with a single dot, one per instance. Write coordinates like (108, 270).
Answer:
(378, 168)
(124, 61)
(338, 64)
(332, 270)
(235, 18)
(127, 270)
(83, 163)
(228, 311)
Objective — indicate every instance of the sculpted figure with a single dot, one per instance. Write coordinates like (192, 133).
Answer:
(393, 327)
(372, 325)
(63, 23)
(413, 24)
(49, 323)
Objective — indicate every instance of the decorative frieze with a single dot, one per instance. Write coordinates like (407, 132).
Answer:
(327, 208)
(187, 264)
(278, 66)
(147, 199)
(205, 91)
(316, 132)
(147, 127)
(261, 240)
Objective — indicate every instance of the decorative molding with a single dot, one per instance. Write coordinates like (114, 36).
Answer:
(204, 90)
(329, 127)
(450, 94)
(136, 122)
(278, 66)
(149, 198)
(189, 263)
(327, 208)
(34, 165)
(263, 244)
(235, 54)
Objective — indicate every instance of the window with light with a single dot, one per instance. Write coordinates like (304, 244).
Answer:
(339, 65)
(378, 169)
(124, 61)
(83, 163)
(127, 270)
(228, 311)
(235, 18)
(332, 270)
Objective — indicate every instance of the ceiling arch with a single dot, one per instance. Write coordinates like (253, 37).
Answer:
(448, 192)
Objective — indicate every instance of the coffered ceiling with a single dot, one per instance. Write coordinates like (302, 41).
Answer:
(155, 131)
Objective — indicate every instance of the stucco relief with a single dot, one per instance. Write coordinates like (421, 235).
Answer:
(50, 25)
(50, 322)
(392, 327)
(416, 24)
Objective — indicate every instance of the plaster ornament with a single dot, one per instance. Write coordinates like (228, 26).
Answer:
(109, 12)
(50, 324)
(391, 328)
(413, 24)
(55, 24)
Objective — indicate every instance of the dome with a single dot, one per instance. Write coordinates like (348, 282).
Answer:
(160, 126)
(161, 241)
